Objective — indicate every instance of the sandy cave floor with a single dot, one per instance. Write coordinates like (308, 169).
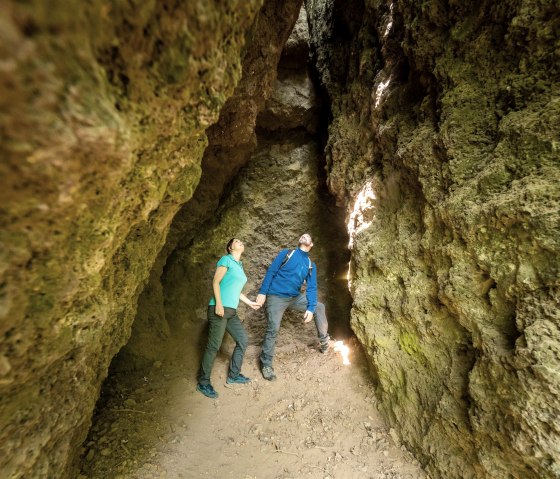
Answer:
(317, 420)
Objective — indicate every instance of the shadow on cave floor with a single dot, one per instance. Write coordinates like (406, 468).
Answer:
(319, 419)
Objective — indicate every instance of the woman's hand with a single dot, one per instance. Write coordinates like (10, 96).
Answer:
(254, 305)
(219, 309)
(248, 302)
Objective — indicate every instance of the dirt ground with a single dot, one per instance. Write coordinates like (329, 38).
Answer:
(317, 420)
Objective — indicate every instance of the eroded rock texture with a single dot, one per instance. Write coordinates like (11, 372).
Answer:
(443, 145)
(230, 142)
(104, 111)
(276, 197)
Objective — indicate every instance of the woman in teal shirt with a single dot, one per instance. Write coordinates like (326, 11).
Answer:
(228, 282)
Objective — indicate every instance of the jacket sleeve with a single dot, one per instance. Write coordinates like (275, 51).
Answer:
(272, 270)
(311, 291)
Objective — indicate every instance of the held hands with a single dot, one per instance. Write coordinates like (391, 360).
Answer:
(254, 305)
(308, 316)
(261, 298)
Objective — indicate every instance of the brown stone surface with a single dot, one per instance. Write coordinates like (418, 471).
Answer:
(104, 108)
(296, 50)
(293, 103)
(230, 142)
(444, 148)
(272, 202)
(275, 197)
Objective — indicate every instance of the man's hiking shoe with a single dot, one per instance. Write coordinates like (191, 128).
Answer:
(239, 379)
(324, 346)
(268, 373)
(207, 390)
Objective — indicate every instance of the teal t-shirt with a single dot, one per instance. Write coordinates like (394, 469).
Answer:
(232, 283)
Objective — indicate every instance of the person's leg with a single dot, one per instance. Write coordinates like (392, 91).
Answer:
(237, 331)
(321, 323)
(320, 316)
(217, 327)
(275, 307)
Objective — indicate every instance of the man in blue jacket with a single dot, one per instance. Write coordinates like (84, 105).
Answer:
(281, 288)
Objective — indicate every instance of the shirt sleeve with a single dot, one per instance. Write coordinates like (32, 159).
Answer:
(311, 291)
(272, 270)
(224, 261)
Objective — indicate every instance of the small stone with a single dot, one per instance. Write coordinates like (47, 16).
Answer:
(394, 436)
(130, 402)
(90, 455)
(157, 364)
(5, 366)
(105, 452)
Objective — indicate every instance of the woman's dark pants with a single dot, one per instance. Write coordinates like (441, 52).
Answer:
(231, 323)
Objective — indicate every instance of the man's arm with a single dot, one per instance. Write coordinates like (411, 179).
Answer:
(271, 272)
(311, 291)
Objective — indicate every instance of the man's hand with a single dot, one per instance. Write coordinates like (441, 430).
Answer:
(261, 298)
(308, 316)
(254, 305)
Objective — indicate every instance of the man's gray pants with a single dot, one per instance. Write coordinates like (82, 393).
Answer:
(275, 308)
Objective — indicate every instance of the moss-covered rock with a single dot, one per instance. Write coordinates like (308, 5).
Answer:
(275, 197)
(230, 143)
(444, 147)
(104, 111)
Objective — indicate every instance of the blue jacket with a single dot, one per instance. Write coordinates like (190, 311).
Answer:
(286, 281)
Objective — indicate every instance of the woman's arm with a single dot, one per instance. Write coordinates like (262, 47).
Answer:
(218, 276)
(248, 302)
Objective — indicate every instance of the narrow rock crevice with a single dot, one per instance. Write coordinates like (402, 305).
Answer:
(416, 141)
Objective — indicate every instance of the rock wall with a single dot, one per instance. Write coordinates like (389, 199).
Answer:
(104, 108)
(443, 146)
(276, 197)
(230, 142)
